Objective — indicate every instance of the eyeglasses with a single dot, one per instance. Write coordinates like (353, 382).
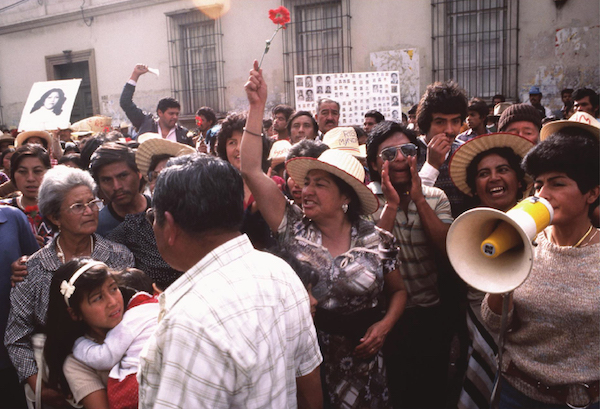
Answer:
(79, 208)
(150, 215)
(390, 154)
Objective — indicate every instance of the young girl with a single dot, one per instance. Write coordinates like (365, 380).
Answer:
(122, 346)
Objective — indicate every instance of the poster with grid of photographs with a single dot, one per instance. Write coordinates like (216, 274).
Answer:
(356, 92)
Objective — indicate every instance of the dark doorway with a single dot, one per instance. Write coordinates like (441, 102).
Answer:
(83, 107)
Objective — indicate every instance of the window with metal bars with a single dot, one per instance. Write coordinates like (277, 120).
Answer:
(475, 44)
(317, 39)
(196, 59)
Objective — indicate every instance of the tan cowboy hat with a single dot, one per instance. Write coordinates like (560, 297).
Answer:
(23, 136)
(279, 151)
(343, 138)
(501, 107)
(152, 146)
(148, 135)
(578, 119)
(342, 165)
(6, 137)
(464, 155)
(93, 124)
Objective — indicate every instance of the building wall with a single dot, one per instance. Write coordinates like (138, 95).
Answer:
(557, 47)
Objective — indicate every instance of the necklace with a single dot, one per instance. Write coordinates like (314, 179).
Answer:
(61, 253)
(591, 238)
(587, 233)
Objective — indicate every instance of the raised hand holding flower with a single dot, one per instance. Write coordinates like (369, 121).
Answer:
(279, 16)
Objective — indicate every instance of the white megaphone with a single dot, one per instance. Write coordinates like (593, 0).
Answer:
(491, 250)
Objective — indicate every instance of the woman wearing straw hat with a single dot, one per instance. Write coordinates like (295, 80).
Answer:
(551, 355)
(356, 263)
(488, 169)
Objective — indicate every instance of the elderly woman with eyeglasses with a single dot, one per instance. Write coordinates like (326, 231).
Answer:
(66, 198)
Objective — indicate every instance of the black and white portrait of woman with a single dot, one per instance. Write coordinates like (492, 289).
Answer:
(49, 105)
(51, 101)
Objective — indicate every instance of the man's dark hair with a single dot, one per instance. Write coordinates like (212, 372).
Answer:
(28, 151)
(201, 192)
(167, 103)
(501, 97)
(378, 135)
(286, 110)
(74, 158)
(586, 92)
(208, 113)
(302, 113)
(378, 116)
(233, 122)
(110, 153)
(514, 161)
(306, 148)
(478, 105)
(566, 91)
(441, 98)
(571, 150)
(413, 109)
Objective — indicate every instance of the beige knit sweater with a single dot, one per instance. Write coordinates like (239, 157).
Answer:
(554, 333)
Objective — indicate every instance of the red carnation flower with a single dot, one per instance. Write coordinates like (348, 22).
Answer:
(280, 15)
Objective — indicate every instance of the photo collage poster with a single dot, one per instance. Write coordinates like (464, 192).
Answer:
(356, 92)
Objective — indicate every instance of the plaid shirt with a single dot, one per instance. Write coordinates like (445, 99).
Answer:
(234, 331)
(29, 299)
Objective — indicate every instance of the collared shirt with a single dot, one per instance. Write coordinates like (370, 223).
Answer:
(234, 331)
(171, 136)
(416, 253)
(29, 299)
(470, 134)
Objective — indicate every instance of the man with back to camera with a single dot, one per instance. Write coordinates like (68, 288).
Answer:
(586, 100)
(441, 112)
(477, 113)
(281, 115)
(372, 118)
(235, 329)
(167, 110)
(327, 116)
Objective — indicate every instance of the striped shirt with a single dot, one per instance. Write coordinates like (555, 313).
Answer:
(234, 332)
(29, 299)
(416, 253)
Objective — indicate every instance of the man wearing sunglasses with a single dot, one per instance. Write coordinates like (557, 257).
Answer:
(442, 111)
(419, 217)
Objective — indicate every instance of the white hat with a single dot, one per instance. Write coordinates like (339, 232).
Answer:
(279, 152)
(578, 119)
(343, 138)
(342, 165)
(158, 146)
(464, 155)
(93, 124)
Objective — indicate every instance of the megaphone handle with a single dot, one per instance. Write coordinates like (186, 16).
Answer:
(495, 399)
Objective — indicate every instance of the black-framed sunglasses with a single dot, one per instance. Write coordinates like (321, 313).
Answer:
(390, 154)
(150, 215)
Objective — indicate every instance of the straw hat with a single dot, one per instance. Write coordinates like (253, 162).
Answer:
(464, 155)
(500, 107)
(279, 151)
(342, 165)
(23, 136)
(158, 146)
(343, 138)
(578, 119)
(4, 137)
(93, 124)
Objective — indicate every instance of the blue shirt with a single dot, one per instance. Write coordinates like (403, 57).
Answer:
(16, 240)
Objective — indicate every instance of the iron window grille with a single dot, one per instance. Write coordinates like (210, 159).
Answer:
(196, 61)
(317, 40)
(475, 43)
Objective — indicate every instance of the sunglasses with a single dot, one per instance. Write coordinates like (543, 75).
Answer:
(390, 154)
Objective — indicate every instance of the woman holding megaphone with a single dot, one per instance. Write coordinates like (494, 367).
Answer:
(551, 352)
(487, 168)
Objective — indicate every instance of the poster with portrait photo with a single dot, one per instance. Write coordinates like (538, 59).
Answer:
(49, 105)
(356, 92)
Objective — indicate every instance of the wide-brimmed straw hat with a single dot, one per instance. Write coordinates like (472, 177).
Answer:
(343, 138)
(93, 124)
(581, 120)
(342, 165)
(6, 137)
(152, 146)
(279, 152)
(464, 155)
(23, 136)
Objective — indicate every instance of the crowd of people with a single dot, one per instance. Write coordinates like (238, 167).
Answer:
(291, 262)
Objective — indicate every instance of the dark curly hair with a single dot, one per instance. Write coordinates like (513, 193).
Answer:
(233, 122)
(444, 98)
